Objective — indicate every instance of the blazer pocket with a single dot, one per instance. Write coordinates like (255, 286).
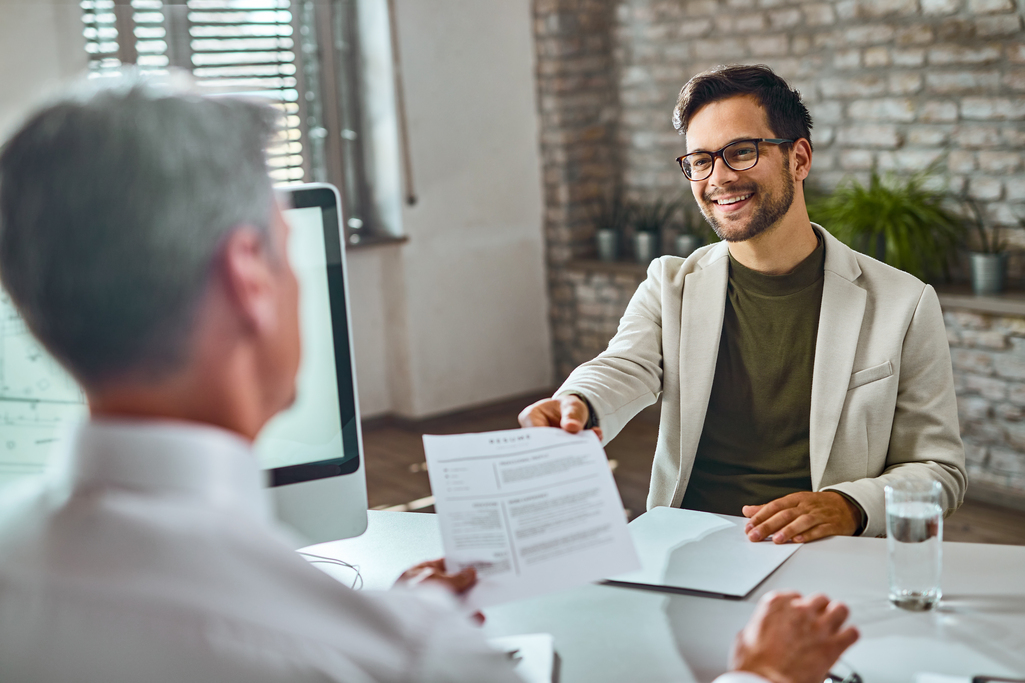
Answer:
(872, 374)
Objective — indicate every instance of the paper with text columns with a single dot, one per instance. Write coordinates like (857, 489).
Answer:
(533, 510)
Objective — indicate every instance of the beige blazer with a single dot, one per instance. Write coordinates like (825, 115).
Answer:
(882, 395)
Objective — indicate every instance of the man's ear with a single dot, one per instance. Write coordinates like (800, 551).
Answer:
(248, 277)
(802, 159)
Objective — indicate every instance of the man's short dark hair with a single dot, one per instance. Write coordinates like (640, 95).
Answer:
(113, 203)
(786, 113)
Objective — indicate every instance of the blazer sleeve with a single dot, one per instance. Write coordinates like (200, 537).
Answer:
(627, 376)
(925, 441)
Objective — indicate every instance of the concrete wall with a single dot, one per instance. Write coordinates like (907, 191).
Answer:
(458, 314)
(41, 46)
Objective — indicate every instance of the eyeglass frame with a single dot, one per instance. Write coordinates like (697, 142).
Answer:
(719, 154)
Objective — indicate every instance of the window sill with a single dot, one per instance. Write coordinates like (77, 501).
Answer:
(368, 241)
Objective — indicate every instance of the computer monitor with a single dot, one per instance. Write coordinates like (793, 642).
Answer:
(314, 451)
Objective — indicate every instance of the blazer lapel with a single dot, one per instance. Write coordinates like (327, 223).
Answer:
(840, 317)
(704, 304)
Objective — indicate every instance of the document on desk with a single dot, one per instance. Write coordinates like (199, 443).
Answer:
(533, 510)
(690, 551)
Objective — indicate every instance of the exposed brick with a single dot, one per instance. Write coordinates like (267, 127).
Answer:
(767, 46)
(868, 35)
(993, 108)
(937, 112)
(856, 159)
(975, 454)
(885, 136)
(990, 6)
(942, 55)
(748, 22)
(905, 83)
(973, 408)
(989, 388)
(888, 109)
(961, 161)
(1016, 393)
(819, 14)
(940, 6)
(874, 9)
(912, 56)
(1009, 412)
(1015, 189)
(999, 162)
(976, 137)
(1007, 461)
(991, 27)
(847, 59)
(865, 86)
(912, 160)
(985, 189)
(953, 82)
(972, 361)
(915, 34)
(693, 28)
(876, 57)
(927, 136)
(785, 18)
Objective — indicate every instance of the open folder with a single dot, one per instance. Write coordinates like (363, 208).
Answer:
(698, 552)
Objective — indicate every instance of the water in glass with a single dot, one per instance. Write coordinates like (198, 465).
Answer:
(914, 536)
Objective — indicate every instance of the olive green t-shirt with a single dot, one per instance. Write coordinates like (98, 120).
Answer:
(754, 445)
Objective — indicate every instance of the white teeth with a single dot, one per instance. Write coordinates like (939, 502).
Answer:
(731, 200)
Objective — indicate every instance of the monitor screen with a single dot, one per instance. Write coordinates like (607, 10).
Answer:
(312, 450)
(316, 436)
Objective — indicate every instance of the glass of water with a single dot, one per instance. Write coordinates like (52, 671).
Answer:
(914, 536)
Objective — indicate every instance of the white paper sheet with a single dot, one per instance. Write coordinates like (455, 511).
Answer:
(533, 510)
(697, 551)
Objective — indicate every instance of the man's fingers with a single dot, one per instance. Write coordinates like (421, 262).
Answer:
(835, 615)
(772, 525)
(574, 413)
(462, 581)
(750, 511)
(597, 432)
(544, 413)
(815, 533)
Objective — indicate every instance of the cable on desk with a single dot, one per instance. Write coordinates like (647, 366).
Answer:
(320, 559)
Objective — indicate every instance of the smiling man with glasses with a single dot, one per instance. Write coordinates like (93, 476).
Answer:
(797, 376)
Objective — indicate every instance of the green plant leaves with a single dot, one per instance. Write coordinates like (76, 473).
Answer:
(897, 219)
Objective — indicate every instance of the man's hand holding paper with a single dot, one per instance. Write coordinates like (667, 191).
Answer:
(531, 510)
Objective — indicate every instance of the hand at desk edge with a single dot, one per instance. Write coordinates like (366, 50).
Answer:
(791, 639)
(803, 516)
(568, 412)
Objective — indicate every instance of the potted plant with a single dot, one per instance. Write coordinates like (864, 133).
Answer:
(988, 258)
(692, 233)
(609, 216)
(648, 220)
(896, 219)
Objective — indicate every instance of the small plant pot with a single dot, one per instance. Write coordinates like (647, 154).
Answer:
(645, 246)
(988, 272)
(608, 245)
(686, 244)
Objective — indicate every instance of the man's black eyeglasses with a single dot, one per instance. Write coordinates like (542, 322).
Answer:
(740, 156)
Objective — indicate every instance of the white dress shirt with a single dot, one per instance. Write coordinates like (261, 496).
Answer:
(150, 555)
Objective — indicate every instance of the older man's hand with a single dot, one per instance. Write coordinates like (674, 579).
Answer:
(802, 517)
(791, 639)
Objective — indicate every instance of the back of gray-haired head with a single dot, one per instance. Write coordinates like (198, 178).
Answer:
(114, 202)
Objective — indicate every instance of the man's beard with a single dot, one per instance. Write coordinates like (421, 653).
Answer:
(768, 215)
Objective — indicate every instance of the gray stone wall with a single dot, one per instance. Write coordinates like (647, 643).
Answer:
(891, 84)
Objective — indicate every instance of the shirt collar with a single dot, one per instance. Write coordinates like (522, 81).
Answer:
(211, 465)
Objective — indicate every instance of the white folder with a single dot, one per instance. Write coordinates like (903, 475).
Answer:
(698, 552)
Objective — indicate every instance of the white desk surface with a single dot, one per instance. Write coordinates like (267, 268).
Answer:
(611, 633)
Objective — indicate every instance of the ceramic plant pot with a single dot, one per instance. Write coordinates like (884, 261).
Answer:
(608, 245)
(686, 244)
(645, 244)
(988, 272)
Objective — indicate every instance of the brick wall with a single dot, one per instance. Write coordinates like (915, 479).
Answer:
(988, 352)
(891, 85)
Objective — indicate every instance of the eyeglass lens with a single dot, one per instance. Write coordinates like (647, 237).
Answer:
(740, 156)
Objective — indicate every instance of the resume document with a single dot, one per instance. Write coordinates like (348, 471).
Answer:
(532, 510)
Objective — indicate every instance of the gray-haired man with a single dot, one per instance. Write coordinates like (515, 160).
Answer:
(140, 240)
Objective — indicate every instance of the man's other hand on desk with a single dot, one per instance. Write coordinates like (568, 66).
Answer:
(802, 517)
(568, 412)
(791, 639)
(434, 572)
